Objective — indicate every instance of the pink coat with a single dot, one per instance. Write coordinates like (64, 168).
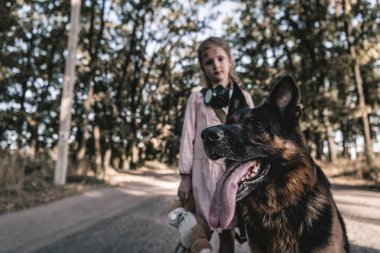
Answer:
(192, 158)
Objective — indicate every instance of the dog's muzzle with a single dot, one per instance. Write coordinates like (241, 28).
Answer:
(215, 142)
(213, 134)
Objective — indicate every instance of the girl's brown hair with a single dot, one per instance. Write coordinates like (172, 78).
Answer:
(218, 42)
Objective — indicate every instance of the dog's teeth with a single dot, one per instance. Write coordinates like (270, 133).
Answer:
(249, 175)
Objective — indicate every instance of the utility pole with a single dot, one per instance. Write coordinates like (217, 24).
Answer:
(67, 97)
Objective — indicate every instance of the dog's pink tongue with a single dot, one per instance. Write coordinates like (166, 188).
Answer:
(223, 203)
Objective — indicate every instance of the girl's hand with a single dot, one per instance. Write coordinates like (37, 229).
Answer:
(184, 188)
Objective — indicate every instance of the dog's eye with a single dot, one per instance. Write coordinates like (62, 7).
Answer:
(255, 125)
(259, 127)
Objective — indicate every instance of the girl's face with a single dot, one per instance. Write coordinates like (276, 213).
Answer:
(216, 65)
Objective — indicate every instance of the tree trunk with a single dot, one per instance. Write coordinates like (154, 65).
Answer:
(359, 84)
(107, 162)
(318, 146)
(330, 135)
(33, 142)
(85, 134)
(94, 51)
(98, 155)
(364, 114)
(345, 146)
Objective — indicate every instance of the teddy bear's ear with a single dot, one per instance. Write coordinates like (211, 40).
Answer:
(174, 216)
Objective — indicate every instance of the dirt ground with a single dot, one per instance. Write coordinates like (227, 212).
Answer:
(131, 217)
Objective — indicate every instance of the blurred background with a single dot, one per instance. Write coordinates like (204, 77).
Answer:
(136, 67)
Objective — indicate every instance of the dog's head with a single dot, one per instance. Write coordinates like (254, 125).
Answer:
(259, 144)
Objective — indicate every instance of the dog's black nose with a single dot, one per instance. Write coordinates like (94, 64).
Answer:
(212, 134)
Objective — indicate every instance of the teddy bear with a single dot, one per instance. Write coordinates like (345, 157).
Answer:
(194, 232)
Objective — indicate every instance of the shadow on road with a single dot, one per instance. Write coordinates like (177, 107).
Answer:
(170, 175)
(369, 221)
(138, 225)
(343, 187)
(361, 249)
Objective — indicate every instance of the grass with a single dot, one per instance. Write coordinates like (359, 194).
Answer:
(26, 183)
(352, 172)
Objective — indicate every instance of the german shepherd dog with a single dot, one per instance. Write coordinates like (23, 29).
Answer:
(284, 198)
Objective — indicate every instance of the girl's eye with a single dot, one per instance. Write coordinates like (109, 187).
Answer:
(208, 62)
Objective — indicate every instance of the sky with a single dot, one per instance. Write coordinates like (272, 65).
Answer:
(226, 8)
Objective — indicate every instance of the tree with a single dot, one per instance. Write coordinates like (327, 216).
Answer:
(347, 9)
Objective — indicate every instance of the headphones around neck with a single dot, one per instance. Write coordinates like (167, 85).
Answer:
(217, 97)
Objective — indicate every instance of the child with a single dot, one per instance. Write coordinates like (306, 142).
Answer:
(199, 175)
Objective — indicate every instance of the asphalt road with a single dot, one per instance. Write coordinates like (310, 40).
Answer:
(132, 219)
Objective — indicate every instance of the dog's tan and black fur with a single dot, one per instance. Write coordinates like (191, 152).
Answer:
(286, 204)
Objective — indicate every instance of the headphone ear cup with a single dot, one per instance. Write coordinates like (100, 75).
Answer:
(207, 96)
(216, 97)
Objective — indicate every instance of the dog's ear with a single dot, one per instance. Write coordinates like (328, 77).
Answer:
(237, 100)
(286, 97)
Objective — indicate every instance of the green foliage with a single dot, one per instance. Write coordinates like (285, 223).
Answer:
(135, 70)
(137, 65)
(308, 40)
